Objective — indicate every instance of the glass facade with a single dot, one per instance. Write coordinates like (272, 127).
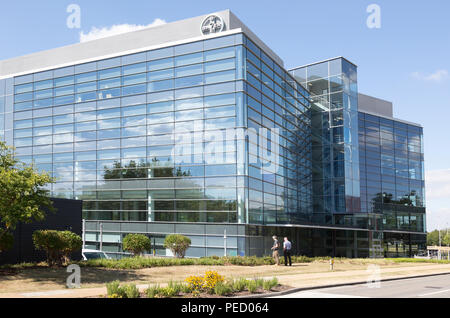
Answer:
(215, 140)
(212, 131)
(392, 172)
(334, 92)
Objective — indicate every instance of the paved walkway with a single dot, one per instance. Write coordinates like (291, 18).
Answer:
(298, 280)
(425, 287)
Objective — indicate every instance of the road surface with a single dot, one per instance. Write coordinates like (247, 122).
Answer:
(426, 287)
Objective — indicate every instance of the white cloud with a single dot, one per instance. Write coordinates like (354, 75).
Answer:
(438, 198)
(98, 33)
(438, 76)
(438, 184)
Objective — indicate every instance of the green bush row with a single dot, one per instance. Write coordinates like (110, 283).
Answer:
(226, 288)
(141, 262)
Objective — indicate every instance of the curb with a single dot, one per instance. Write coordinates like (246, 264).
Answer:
(300, 289)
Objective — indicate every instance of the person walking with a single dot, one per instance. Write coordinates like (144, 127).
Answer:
(275, 247)
(287, 246)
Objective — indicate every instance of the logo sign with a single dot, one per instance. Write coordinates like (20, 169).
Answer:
(212, 24)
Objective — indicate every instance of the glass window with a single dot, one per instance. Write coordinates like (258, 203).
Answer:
(189, 59)
(108, 123)
(86, 77)
(189, 115)
(220, 54)
(160, 118)
(134, 121)
(159, 75)
(134, 152)
(160, 86)
(108, 113)
(160, 64)
(63, 81)
(189, 103)
(189, 70)
(23, 97)
(160, 97)
(134, 110)
(135, 68)
(86, 87)
(63, 119)
(134, 79)
(43, 85)
(220, 77)
(226, 111)
(109, 83)
(189, 81)
(135, 89)
(160, 107)
(66, 90)
(107, 134)
(219, 100)
(24, 88)
(220, 65)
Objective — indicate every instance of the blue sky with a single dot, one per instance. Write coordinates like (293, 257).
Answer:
(406, 61)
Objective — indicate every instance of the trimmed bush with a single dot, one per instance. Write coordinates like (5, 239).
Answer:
(58, 245)
(52, 243)
(136, 244)
(178, 244)
(6, 241)
(72, 244)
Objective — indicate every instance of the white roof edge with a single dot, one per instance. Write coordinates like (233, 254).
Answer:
(151, 38)
(109, 56)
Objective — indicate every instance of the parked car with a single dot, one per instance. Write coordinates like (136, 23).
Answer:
(94, 254)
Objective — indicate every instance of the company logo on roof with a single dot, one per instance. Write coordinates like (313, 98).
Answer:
(212, 24)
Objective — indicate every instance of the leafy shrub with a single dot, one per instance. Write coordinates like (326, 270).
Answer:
(57, 244)
(114, 290)
(252, 286)
(178, 244)
(269, 284)
(167, 292)
(72, 243)
(223, 289)
(249, 260)
(131, 291)
(195, 283)
(239, 284)
(6, 241)
(211, 279)
(152, 291)
(259, 282)
(136, 244)
(177, 286)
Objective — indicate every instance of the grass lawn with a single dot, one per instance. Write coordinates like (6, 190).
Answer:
(40, 278)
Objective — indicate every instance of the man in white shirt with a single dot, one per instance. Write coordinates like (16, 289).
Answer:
(287, 246)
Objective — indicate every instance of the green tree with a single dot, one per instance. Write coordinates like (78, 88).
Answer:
(50, 242)
(71, 244)
(433, 238)
(58, 245)
(22, 194)
(178, 244)
(136, 244)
